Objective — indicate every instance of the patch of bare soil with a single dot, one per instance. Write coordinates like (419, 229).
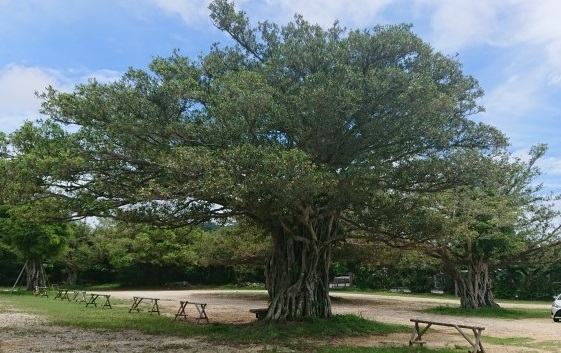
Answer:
(27, 333)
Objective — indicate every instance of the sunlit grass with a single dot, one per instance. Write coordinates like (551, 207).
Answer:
(404, 349)
(551, 346)
(501, 313)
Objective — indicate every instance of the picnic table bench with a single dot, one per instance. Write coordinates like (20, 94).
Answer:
(79, 296)
(201, 309)
(260, 313)
(41, 291)
(153, 309)
(95, 296)
(416, 335)
(62, 294)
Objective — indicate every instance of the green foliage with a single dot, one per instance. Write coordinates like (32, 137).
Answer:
(289, 118)
(503, 219)
(535, 280)
(234, 245)
(30, 238)
(127, 243)
(241, 247)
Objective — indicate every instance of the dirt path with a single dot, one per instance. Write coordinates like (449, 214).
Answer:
(232, 306)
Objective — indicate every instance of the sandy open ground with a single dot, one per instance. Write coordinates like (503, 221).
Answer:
(21, 332)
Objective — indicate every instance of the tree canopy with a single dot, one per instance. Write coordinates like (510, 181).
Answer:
(492, 223)
(309, 133)
(33, 241)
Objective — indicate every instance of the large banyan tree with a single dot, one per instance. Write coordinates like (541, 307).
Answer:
(309, 133)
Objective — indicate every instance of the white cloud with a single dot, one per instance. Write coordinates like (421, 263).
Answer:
(459, 23)
(531, 26)
(551, 169)
(18, 85)
(552, 165)
(103, 76)
(536, 25)
(356, 13)
(192, 12)
(520, 106)
(515, 97)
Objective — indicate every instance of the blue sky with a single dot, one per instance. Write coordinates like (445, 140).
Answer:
(513, 47)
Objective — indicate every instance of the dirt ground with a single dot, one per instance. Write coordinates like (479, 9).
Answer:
(25, 333)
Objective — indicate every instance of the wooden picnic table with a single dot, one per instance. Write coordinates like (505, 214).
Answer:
(62, 294)
(41, 291)
(416, 335)
(79, 296)
(95, 296)
(153, 301)
(201, 309)
(260, 313)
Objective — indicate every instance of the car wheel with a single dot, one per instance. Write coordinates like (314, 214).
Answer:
(556, 319)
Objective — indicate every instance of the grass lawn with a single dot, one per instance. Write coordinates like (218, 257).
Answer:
(499, 313)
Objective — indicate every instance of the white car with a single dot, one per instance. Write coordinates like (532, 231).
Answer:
(556, 308)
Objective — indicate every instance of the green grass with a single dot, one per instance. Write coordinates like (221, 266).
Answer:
(403, 349)
(551, 346)
(500, 313)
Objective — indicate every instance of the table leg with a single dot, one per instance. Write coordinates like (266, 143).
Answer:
(181, 311)
(93, 298)
(155, 308)
(136, 302)
(202, 312)
(107, 303)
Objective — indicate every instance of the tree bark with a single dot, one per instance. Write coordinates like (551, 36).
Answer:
(474, 285)
(298, 271)
(34, 271)
(72, 274)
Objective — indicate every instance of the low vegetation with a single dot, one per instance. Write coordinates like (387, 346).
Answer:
(502, 313)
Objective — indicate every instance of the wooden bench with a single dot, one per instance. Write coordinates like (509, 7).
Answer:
(260, 313)
(201, 309)
(95, 296)
(62, 294)
(79, 296)
(153, 301)
(41, 291)
(416, 335)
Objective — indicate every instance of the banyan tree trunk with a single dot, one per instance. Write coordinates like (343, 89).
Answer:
(34, 270)
(298, 272)
(72, 274)
(475, 287)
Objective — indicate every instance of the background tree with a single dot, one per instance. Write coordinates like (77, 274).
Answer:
(34, 242)
(375, 265)
(308, 133)
(495, 223)
(241, 247)
(142, 254)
